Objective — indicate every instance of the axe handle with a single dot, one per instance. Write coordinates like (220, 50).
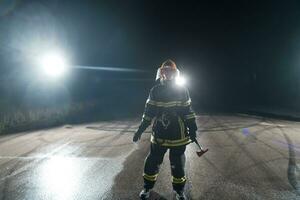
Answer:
(198, 145)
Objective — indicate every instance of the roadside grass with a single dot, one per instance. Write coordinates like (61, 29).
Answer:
(21, 119)
(15, 120)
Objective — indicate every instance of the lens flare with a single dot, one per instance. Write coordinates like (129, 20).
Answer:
(180, 81)
(53, 64)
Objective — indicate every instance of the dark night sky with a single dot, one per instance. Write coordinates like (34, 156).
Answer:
(235, 52)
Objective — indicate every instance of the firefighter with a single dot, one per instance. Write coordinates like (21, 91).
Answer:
(174, 127)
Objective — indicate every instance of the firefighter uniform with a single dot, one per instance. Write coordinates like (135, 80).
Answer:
(174, 126)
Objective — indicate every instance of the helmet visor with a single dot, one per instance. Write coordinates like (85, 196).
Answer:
(167, 73)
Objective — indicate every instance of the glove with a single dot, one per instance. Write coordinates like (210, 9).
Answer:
(137, 136)
(193, 135)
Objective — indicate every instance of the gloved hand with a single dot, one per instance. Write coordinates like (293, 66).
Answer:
(193, 135)
(137, 136)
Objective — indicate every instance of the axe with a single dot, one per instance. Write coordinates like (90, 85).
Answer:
(202, 151)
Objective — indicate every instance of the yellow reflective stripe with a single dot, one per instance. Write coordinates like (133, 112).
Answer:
(147, 118)
(170, 143)
(168, 104)
(181, 127)
(178, 180)
(176, 145)
(187, 103)
(150, 102)
(150, 177)
(158, 103)
(190, 116)
(164, 103)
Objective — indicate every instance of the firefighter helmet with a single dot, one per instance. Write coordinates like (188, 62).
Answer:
(167, 71)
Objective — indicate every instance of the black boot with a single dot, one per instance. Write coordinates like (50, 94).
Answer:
(144, 194)
(180, 195)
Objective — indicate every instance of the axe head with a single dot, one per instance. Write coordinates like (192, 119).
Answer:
(200, 153)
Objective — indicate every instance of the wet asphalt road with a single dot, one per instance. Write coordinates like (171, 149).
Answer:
(249, 158)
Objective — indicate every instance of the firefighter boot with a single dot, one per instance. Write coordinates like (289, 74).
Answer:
(144, 194)
(180, 195)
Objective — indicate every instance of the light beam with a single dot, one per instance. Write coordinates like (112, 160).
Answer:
(53, 64)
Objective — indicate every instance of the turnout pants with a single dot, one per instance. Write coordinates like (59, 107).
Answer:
(155, 159)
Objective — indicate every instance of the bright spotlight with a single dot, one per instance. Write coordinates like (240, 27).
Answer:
(53, 64)
(180, 81)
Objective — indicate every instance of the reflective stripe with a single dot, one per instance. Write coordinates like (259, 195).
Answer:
(147, 118)
(181, 124)
(171, 143)
(164, 104)
(190, 116)
(168, 104)
(150, 177)
(178, 180)
(187, 103)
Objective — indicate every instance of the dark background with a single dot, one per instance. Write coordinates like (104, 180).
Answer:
(236, 54)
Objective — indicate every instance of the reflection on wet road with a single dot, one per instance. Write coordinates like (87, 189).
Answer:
(249, 158)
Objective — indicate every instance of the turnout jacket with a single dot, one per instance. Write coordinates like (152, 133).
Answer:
(170, 107)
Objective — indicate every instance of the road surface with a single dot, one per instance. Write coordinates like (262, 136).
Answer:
(248, 158)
